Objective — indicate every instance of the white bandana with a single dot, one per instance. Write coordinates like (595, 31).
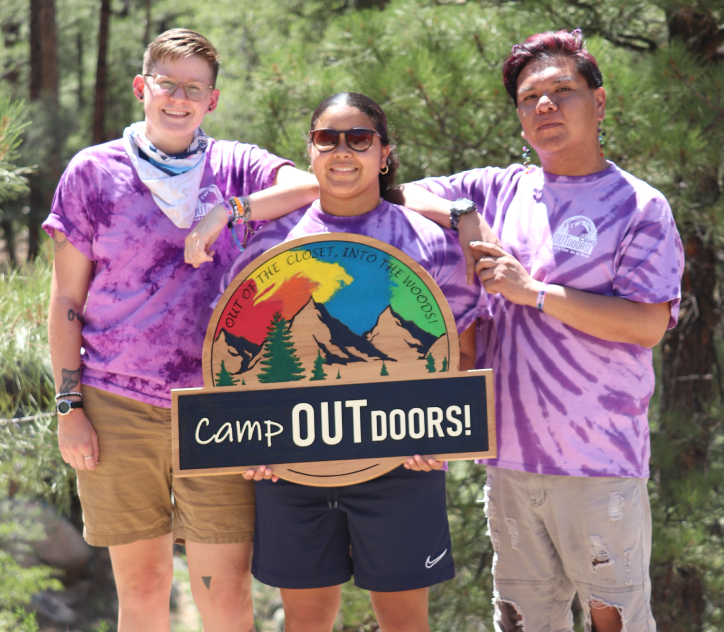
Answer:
(176, 195)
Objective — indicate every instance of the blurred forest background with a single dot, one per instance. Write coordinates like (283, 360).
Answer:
(66, 70)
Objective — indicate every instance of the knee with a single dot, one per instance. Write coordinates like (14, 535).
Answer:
(229, 595)
(145, 586)
(313, 616)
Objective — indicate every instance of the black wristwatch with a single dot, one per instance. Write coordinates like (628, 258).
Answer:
(459, 208)
(64, 406)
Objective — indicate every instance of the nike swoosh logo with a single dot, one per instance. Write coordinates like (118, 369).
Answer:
(430, 563)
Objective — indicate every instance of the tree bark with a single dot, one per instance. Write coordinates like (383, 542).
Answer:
(43, 87)
(101, 75)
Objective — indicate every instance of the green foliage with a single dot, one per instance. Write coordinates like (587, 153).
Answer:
(224, 378)
(383, 371)
(430, 364)
(318, 373)
(280, 361)
(444, 364)
(12, 179)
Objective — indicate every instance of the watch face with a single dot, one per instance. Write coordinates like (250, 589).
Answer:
(64, 407)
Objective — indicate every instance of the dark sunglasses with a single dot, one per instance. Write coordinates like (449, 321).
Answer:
(357, 139)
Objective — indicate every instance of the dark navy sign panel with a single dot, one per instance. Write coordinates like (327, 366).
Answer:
(332, 423)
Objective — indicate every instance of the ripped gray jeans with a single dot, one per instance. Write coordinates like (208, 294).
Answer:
(554, 536)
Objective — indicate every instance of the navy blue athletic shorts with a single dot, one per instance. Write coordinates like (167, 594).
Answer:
(391, 533)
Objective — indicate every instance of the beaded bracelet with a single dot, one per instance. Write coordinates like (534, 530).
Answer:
(239, 210)
(541, 298)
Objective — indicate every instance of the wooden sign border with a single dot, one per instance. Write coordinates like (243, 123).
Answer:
(386, 463)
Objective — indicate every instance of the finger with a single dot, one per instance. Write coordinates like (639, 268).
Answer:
(484, 246)
(469, 265)
(249, 474)
(96, 449)
(435, 464)
(421, 463)
(411, 464)
(275, 478)
(485, 263)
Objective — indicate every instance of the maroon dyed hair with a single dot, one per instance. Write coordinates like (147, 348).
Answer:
(549, 45)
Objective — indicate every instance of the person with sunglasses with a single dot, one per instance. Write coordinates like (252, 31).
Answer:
(396, 525)
(127, 324)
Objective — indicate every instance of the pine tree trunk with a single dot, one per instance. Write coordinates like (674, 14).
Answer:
(101, 75)
(43, 87)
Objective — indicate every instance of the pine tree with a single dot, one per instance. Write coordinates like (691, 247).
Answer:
(280, 362)
(318, 373)
(384, 369)
(339, 375)
(224, 378)
(430, 366)
(444, 365)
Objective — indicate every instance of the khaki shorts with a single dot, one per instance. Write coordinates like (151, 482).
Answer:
(132, 494)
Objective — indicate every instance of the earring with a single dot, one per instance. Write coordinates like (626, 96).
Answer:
(211, 109)
(601, 139)
(140, 96)
(526, 157)
(309, 168)
(385, 171)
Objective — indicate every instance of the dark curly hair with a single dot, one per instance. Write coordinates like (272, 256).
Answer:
(372, 111)
(546, 46)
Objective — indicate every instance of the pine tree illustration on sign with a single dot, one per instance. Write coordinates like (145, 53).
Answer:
(384, 372)
(444, 364)
(280, 362)
(430, 366)
(224, 378)
(318, 373)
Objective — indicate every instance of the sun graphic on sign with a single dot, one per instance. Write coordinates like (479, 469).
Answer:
(329, 307)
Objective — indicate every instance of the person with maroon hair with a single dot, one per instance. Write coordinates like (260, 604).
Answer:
(582, 263)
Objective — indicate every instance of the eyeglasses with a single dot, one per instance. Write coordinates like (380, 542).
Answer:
(357, 139)
(194, 90)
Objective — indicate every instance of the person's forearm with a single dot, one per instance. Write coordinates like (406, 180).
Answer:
(607, 317)
(281, 200)
(65, 322)
(421, 201)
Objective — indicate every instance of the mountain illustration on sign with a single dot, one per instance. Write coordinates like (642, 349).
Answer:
(327, 320)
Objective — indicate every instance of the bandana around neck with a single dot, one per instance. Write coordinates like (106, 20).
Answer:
(174, 180)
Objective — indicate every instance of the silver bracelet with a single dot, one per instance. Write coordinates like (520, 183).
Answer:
(67, 393)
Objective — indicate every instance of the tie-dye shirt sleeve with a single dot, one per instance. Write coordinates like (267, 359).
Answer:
(650, 258)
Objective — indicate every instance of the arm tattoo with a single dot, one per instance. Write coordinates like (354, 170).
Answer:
(70, 380)
(207, 582)
(73, 315)
(60, 241)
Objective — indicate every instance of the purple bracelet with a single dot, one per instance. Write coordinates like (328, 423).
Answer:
(541, 299)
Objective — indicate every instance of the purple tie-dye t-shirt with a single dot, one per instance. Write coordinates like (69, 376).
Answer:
(147, 310)
(569, 403)
(435, 249)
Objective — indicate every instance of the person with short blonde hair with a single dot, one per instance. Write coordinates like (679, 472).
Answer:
(127, 323)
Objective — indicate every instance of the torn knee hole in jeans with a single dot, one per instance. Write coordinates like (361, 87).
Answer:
(509, 614)
(599, 554)
(594, 603)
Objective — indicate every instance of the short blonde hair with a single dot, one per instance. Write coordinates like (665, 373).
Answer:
(179, 43)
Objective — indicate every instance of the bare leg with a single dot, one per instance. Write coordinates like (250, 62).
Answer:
(605, 618)
(144, 572)
(403, 611)
(221, 585)
(310, 609)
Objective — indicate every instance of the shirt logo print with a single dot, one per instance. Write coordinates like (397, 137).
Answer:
(577, 235)
(430, 563)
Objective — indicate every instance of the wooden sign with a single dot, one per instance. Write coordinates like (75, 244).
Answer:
(332, 359)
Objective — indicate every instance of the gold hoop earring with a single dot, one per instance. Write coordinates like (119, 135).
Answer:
(384, 173)
(309, 168)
